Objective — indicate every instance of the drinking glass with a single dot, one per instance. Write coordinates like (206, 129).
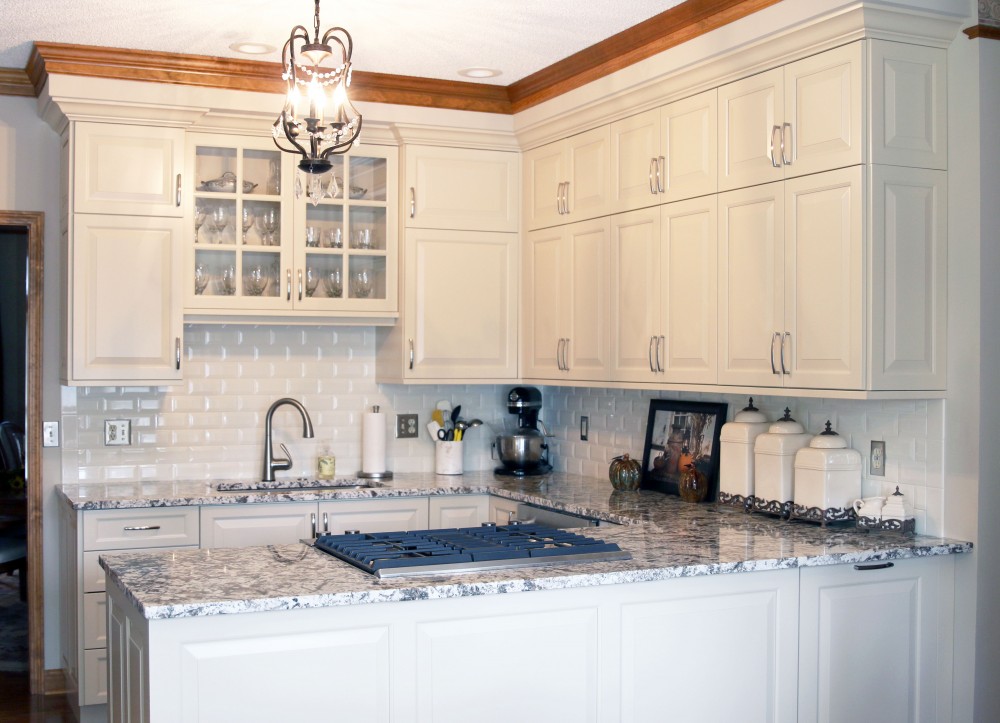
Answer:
(274, 179)
(361, 238)
(333, 238)
(219, 221)
(361, 284)
(248, 220)
(312, 236)
(255, 281)
(200, 215)
(201, 279)
(229, 281)
(334, 285)
(268, 222)
(312, 280)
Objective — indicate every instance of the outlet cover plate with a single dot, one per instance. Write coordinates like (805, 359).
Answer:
(877, 461)
(117, 432)
(406, 426)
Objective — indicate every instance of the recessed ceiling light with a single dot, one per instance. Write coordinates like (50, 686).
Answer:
(252, 48)
(479, 72)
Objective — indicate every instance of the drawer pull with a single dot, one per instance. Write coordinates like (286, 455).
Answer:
(140, 528)
(876, 566)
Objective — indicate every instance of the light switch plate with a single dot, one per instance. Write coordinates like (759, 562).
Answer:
(117, 433)
(50, 434)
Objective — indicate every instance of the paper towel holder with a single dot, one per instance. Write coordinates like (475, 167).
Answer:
(375, 475)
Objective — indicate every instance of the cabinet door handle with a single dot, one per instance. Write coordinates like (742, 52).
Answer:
(413, 202)
(774, 369)
(875, 566)
(652, 171)
(661, 342)
(411, 354)
(774, 160)
(559, 347)
(786, 129)
(313, 520)
(177, 192)
(140, 528)
(326, 523)
(652, 364)
(177, 353)
(661, 171)
(784, 369)
(300, 284)
(289, 296)
(566, 200)
(559, 209)
(566, 356)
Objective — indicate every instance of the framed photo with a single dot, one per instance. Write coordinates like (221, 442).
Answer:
(680, 434)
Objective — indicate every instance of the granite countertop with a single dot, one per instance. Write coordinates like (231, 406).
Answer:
(666, 537)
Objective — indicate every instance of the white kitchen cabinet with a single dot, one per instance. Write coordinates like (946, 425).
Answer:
(461, 188)
(791, 283)
(133, 170)
(448, 511)
(248, 525)
(569, 180)
(665, 154)
(875, 641)
(377, 515)
(566, 302)
(459, 321)
(502, 510)
(663, 293)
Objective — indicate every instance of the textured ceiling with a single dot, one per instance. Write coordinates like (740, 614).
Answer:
(425, 38)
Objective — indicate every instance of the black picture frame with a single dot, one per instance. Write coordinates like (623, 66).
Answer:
(675, 430)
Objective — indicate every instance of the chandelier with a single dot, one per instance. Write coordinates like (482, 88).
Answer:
(317, 120)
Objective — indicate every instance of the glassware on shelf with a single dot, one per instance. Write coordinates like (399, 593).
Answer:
(333, 238)
(201, 279)
(361, 284)
(200, 216)
(312, 280)
(312, 236)
(255, 281)
(334, 285)
(219, 221)
(268, 222)
(274, 178)
(361, 238)
(248, 221)
(228, 281)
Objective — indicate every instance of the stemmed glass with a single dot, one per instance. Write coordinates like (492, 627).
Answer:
(201, 279)
(229, 281)
(248, 220)
(361, 284)
(267, 226)
(219, 221)
(312, 280)
(255, 281)
(200, 215)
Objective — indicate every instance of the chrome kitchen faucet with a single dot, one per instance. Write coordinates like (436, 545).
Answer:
(271, 464)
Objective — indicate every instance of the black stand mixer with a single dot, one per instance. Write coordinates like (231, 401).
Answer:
(524, 453)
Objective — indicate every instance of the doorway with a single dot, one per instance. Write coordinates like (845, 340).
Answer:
(16, 227)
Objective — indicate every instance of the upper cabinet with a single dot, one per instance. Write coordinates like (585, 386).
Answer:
(568, 180)
(666, 154)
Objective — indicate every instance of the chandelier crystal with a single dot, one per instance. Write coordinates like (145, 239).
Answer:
(317, 120)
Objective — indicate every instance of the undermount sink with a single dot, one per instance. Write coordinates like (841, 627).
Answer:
(285, 485)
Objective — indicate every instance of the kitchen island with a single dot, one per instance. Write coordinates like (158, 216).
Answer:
(285, 631)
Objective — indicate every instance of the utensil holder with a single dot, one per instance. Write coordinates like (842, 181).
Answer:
(447, 457)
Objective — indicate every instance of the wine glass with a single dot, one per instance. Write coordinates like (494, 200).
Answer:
(201, 279)
(255, 281)
(219, 221)
(361, 284)
(334, 285)
(248, 220)
(229, 281)
(274, 179)
(200, 215)
(312, 280)
(268, 222)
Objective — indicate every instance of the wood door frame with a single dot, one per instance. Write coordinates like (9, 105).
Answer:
(34, 224)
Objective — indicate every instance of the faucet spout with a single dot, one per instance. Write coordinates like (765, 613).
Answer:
(272, 463)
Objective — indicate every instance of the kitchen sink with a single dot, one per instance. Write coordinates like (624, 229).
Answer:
(296, 484)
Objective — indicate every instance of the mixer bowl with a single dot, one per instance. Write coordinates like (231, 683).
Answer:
(524, 450)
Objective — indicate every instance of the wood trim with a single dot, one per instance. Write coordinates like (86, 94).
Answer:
(34, 224)
(15, 82)
(684, 22)
(56, 682)
(990, 32)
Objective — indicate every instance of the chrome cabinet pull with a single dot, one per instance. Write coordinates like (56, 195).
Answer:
(786, 128)
(313, 516)
(559, 208)
(566, 356)
(411, 354)
(177, 192)
(177, 352)
(774, 369)
(784, 369)
(565, 197)
(326, 523)
(289, 297)
(300, 284)
(661, 171)
(413, 202)
(661, 342)
(140, 528)
(876, 566)
(559, 351)
(652, 365)
(652, 170)
(774, 161)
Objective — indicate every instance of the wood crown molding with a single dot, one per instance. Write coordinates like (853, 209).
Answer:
(668, 29)
(15, 82)
(990, 32)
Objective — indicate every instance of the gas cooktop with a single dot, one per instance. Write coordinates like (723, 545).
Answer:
(467, 549)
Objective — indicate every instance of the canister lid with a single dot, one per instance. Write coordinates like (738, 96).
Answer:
(828, 439)
(749, 413)
(786, 425)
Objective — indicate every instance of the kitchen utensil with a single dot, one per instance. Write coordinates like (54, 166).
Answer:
(226, 183)
(438, 417)
(445, 435)
(433, 428)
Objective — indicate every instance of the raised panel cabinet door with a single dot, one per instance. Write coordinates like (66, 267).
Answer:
(635, 150)
(125, 300)
(909, 278)
(824, 281)
(587, 350)
(874, 641)
(249, 525)
(635, 295)
(461, 304)
(460, 188)
(544, 170)
(909, 108)
(502, 511)
(546, 291)
(126, 169)
(381, 515)
(751, 285)
(450, 511)
(689, 291)
(588, 164)
(750, 117)
(689, 142)
(823, 124)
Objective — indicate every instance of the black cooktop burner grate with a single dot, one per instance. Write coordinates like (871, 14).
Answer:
(465, 549)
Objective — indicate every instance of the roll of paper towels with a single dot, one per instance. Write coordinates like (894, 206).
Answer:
(373, 443)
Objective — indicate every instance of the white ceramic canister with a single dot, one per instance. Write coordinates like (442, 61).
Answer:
(448, 457)
(736, 450)
(827, 473)
(774, 459)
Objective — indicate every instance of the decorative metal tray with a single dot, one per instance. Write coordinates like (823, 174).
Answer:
(872, 523)
(824, 517)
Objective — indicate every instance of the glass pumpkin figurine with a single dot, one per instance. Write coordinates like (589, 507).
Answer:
(625, 473)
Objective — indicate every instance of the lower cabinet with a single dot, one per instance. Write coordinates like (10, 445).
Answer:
(382, 515)
(449, 511)
(249, 525)
(502, 511)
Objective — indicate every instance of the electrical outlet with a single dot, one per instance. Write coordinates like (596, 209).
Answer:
(117, 432)
(406, 426)
(584, 428)
(50, 434)
(877, 461)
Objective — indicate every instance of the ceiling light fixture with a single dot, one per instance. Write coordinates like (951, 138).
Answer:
(479, 72)
(250, 47)
(318, 120)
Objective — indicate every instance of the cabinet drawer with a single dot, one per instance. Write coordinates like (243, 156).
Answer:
(95, 677)
(404, 514)
(93, 573)
(95, 620)
(129, 529)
